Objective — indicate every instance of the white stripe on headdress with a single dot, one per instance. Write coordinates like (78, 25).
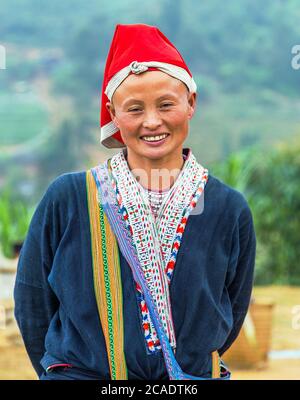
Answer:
(139, 67)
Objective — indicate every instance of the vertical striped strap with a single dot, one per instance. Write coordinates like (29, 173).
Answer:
(215, 365)
(107, 281)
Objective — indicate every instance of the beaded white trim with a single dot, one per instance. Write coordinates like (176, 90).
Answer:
(155, 199)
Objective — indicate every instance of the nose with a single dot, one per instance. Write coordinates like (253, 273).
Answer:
(152, 120)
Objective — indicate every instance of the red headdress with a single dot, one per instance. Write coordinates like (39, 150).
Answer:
(135, 49)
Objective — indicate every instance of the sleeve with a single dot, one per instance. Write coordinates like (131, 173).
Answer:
(240, 277)
(35, 302)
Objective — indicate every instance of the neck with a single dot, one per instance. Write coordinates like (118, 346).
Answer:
(156, 174)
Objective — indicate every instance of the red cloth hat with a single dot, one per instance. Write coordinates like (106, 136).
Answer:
(135, 49)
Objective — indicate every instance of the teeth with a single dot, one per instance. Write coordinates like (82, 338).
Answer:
(154, 138)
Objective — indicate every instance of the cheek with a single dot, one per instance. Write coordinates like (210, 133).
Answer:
(178, 119)
(127, 124)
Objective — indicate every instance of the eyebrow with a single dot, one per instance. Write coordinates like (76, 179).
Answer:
(133, 100)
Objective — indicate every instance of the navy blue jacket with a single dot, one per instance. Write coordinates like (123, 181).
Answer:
(55, 304)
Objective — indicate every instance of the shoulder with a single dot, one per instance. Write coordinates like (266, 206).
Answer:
(65, 193)
(227, 199)
(67, 184)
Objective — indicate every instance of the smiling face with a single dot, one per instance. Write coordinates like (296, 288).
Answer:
(153, 106)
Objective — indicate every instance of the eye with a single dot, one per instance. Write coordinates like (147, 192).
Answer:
(134, 109)
(166, 105)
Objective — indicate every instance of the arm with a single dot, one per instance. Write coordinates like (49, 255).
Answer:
(35, 302)
(240, 278)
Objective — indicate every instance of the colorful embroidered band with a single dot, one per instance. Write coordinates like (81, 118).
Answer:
(107, 281)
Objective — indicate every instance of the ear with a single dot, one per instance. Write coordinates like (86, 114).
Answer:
(111, 109)
(192, 104)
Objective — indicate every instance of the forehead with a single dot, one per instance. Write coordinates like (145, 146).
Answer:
(156, 83)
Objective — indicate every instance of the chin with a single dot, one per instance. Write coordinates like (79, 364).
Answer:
(156, 154)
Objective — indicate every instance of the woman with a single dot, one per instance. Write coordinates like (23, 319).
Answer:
(142, 267)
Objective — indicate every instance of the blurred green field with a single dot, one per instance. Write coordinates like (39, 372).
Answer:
(228, 122)
(22, 117)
